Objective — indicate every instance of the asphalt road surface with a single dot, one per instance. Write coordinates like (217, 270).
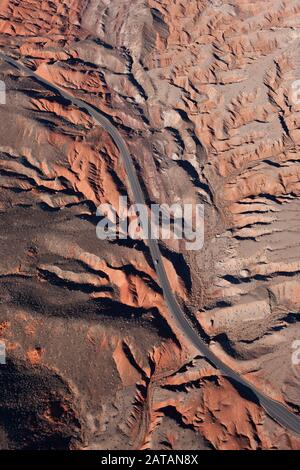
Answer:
(274, 409)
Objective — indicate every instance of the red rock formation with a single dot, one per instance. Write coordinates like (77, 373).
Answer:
(202, 93)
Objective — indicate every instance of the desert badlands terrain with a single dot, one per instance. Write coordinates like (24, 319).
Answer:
(203, 92)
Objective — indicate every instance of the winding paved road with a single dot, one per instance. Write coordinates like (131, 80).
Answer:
(275, 410)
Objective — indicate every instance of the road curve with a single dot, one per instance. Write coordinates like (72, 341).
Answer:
(274, 409)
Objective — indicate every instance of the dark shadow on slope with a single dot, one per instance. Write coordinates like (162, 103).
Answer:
(244, 391)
